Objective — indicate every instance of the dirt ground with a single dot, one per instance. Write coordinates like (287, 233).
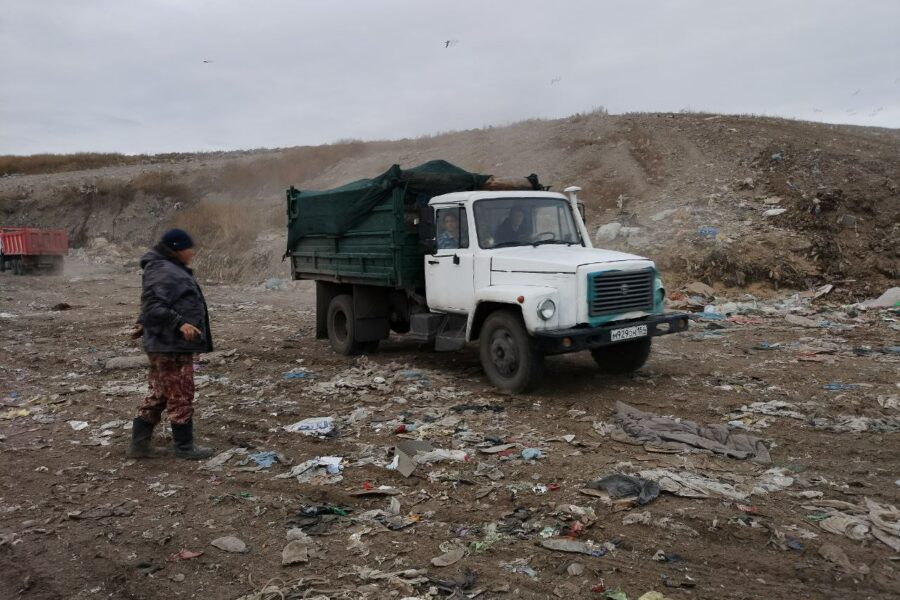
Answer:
(79, 520)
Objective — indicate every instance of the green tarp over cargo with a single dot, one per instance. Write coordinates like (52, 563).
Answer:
(332, 212)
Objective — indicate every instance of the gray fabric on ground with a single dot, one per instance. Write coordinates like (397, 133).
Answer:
(619, 486)
(671, 433)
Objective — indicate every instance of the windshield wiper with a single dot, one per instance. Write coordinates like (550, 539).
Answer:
(506, 244)
(542, 242)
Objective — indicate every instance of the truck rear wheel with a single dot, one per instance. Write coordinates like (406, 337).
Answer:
(509, 356)
(18, 267)
(626, 357)
(340, 327)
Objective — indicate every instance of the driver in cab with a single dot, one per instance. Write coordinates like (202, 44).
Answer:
(512, 230)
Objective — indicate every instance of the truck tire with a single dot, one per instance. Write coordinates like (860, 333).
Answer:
(626, 357)
(18, 267)
(340, 327)
(509, 356)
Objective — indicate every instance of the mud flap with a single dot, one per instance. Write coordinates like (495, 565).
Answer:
(371, 311)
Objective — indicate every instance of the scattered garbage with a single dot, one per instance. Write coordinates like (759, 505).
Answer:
(185, 555)
(229, 543)
(264, 460)
(774, 212)
(78, 425)
(296, 551)
(619, 486)
(840, 387)
(708, 232)
(663, 433)
(889, 299)
(532, 454)
(519, 565)
(218, 461)
(409, 453)
(693, 485)
(297, 374)
(319, 470)
(835, 555)
(315, 426)
(450, 557)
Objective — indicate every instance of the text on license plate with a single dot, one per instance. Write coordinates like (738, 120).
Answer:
(627, 333)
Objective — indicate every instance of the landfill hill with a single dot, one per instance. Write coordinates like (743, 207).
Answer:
(734, 201)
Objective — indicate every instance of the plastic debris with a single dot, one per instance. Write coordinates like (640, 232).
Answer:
(264, 460)
(78, 425)
(317, 426)
(532, 454)
(297, 374)
(321, 469)
(620, 486)
(840, 387)
(449, 558)
(409, 453)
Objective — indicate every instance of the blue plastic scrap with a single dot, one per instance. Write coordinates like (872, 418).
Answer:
(297, 375)
(840, 387)
(532, 454)
(708, 316)
(264, 459)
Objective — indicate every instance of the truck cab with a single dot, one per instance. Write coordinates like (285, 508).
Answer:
(520, 269)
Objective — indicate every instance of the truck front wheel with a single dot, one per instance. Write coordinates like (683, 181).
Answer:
(509, 356)
(626, 357)
(340, 327)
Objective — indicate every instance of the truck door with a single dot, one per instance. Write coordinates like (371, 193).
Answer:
(449, 272)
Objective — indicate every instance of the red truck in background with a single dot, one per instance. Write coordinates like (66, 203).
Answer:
(25, 249)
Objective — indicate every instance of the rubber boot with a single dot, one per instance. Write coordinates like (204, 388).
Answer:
(183, 435)
(141, 435)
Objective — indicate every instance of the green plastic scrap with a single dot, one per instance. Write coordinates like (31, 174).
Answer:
(817, 517)
(484, 545)
(614, 595)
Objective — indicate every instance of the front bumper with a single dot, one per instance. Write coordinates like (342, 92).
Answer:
(585, 338)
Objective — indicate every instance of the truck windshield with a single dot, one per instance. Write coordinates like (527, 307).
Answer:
(505, 222)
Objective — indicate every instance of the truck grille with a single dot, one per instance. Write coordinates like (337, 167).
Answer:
(620, 291)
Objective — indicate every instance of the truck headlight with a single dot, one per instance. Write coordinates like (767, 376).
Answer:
(546, 309)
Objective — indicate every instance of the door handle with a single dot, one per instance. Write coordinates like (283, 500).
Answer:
(434, 262)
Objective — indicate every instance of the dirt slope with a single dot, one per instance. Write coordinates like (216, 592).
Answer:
(661, 176)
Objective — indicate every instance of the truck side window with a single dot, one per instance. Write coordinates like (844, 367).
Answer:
(453, 229)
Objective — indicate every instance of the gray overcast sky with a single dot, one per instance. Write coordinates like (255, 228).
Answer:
(129, 76)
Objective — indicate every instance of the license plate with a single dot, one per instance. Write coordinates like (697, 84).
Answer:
(628, 333)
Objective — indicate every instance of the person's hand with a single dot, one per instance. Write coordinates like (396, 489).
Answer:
(189, 331)
(137, 332)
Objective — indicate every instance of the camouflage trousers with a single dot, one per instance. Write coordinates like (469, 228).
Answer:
(171, 388)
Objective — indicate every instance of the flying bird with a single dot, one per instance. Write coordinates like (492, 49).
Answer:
(207, 61)
(817, 110)
(856, 92)
(448, 43)
(555, 80)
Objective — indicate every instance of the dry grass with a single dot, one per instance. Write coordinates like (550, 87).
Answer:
(275, 172)
(57, 163)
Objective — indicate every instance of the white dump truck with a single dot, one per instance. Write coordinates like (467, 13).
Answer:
(513, 270)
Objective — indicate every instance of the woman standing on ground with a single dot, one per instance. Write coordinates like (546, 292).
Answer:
(174, 322)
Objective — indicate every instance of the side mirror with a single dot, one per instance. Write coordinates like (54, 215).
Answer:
(428, 246)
